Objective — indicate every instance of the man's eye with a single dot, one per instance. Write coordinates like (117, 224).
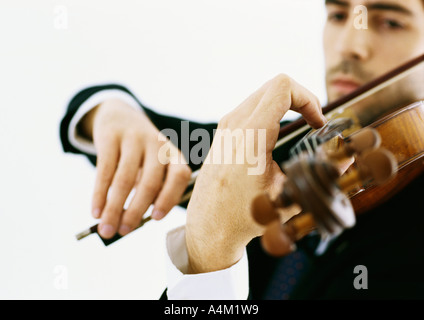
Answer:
(391, 24)
(337, 17)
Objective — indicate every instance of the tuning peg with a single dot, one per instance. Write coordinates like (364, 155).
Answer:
(276, 241)
(380, 165)
(365, 139)
(279, 239)
(263, 209)
(377, 165)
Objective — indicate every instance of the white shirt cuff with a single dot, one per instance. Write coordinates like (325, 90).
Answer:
(228, 284)
(82, 143)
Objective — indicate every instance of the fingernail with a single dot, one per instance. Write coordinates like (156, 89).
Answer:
(123, 230)
(157, 214)
(96, 213)
(106, 230)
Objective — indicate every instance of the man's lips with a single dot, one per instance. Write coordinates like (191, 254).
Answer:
(345, 85)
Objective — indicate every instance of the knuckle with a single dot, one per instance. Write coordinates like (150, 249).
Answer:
(111, 214)
(99, 194)
(105, 171)
(134, 136)
(225, 121)
(132, 219)
(283, 80)
(124, 183)
(183, 173)
(106, 136)
(151, 187)
(162, 140)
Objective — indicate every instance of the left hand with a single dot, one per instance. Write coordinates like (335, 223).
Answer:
(219, 221)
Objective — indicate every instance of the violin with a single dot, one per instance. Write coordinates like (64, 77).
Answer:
(389, 154)
(349, 115)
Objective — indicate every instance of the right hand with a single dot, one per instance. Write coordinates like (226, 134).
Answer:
(127, 145)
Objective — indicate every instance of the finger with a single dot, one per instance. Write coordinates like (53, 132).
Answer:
(177, 178)
(310, 110)
(139, 175)
(283, 94)
(246, 108)
(145, 194)
(107, 161)
(121, 187)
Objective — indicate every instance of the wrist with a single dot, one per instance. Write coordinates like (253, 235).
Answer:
(211, 251)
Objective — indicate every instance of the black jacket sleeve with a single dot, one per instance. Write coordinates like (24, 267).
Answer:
(159, 120)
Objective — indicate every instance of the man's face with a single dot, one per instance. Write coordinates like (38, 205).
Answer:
(355, 56)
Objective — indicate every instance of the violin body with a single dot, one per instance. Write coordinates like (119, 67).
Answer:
(402, 133)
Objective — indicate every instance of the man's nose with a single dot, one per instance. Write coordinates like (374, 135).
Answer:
(354, 43)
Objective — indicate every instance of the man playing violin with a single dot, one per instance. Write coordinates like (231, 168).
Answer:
(216, 255)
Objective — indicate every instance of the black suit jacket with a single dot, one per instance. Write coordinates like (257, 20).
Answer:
(388, 241)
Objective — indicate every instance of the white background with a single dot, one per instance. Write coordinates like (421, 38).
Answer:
(192, 58)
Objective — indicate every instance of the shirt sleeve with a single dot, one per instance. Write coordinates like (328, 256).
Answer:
(81, 143)
(228, 284)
